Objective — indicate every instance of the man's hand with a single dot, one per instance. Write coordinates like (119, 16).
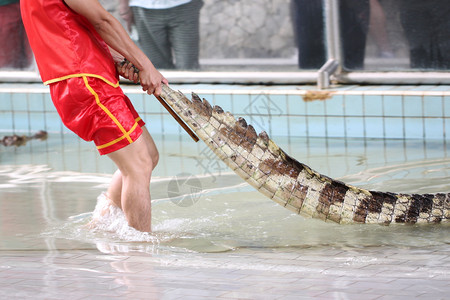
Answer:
(127, 70)
(152, 86)
(151, 80)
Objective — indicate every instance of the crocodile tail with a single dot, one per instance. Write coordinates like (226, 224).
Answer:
(259, 161)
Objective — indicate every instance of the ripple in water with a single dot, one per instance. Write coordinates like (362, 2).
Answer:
(429, 176)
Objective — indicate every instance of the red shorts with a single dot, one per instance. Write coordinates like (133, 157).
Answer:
(97, 111)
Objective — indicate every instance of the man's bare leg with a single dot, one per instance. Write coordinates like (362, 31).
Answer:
(135, 163)
(153, 151)
(115, 188)
(114, 192)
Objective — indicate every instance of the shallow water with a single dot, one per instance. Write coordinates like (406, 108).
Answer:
(199, 206)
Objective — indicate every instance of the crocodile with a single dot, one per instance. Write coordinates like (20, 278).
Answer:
(259, 161)
(21, 140)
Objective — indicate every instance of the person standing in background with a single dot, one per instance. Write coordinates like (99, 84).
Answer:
(168, 30)
(15, 51)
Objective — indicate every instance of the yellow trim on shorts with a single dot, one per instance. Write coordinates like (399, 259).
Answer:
(118, 139)
(115, 85)
(122, 137)
(113, 118)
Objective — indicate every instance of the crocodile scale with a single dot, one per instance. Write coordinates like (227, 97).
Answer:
(266, 167)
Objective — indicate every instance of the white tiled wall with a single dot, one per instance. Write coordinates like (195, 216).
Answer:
(397, 112)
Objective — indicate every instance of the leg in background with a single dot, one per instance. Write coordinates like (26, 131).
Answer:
(308, 25)
(354, 19)
(152, 28)
(184, 34)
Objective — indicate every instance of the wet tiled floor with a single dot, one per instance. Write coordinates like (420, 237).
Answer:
(309, 273)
